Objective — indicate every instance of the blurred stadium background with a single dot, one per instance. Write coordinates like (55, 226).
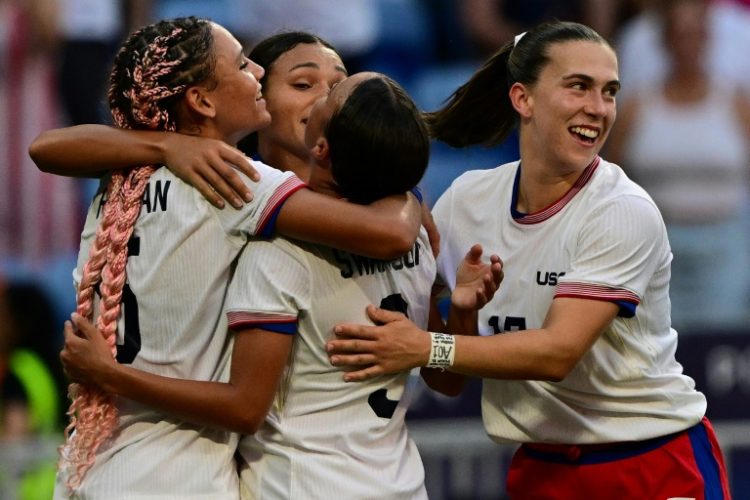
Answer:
(425, 45)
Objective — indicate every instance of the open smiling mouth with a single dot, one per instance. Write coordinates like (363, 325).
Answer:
(585, 134)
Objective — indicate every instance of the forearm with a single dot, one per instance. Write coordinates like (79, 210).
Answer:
(203, 403)
(521, 355)
(387, 229)
(90, 150)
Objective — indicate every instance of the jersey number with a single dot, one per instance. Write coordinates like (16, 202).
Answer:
(378, 400)
(128, 350)
(512, 323)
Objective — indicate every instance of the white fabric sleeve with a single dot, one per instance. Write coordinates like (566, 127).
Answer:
(620, 246)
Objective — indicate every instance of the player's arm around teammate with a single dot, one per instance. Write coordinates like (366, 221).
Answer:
(259, 356)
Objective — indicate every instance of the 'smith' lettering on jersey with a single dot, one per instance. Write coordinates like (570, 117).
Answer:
(351, 264)
(154, 197)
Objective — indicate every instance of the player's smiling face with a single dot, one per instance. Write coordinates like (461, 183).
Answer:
(294, 83)
(572, 105)
(236, 92)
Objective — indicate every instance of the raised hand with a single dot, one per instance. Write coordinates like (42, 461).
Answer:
(476, 281)
(209, 166)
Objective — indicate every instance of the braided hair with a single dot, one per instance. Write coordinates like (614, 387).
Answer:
(151, 72)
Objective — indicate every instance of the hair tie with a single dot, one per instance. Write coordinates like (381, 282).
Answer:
(518, 39)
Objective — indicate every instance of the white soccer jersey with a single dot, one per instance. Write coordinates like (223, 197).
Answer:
(604, 240)
(172, 324)
(325, 438)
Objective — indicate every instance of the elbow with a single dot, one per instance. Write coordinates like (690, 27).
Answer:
(557, 370)
(38, 151)
(400, 243)
(248, 423)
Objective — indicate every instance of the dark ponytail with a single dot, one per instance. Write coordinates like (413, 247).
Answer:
(480, 111)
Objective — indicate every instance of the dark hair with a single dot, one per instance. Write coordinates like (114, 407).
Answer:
(265, 54)
(378, 141)
(153, 69)
(480, 110)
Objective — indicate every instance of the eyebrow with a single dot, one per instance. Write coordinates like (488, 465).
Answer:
(590, 80)
(315, 66)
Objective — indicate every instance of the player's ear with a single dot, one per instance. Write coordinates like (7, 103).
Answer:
(521, 99)
(322, 152)
(199, 100)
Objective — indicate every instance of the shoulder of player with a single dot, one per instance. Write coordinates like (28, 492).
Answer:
(473, 188)
(610, 182)
(281, 247)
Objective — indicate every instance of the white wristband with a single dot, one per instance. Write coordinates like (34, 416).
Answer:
(442, 351)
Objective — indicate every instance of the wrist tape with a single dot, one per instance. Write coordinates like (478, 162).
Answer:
(442, 351)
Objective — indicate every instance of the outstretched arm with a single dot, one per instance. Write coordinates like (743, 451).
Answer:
(90, 150)
(571, 327)
(240, 405)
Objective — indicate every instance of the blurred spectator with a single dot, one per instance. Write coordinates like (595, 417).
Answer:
(643, 56)
(31, 390)
(353, 26)
(90, 31)
(491, 23)
(687, 142)
(40, 214)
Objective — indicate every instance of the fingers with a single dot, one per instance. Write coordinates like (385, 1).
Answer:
(354, 331)
(218, 180)
(352, 359)
(245, 166)
(496, 269)
(213, 197)
(83, 327)
(69, 333)
(230, 185)
(361, 375)
(382, 316)
(474, 255)
(220, 183)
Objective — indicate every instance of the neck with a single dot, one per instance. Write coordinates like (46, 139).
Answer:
(540, 184)
(285, 161)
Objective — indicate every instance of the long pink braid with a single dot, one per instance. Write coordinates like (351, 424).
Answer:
(92, 412)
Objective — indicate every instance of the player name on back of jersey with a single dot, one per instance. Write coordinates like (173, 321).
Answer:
(154, 197)
(355, 265)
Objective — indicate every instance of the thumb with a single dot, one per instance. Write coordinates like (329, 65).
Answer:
(69, 332)
(382, 316)
(84, 327)
(474, 255)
